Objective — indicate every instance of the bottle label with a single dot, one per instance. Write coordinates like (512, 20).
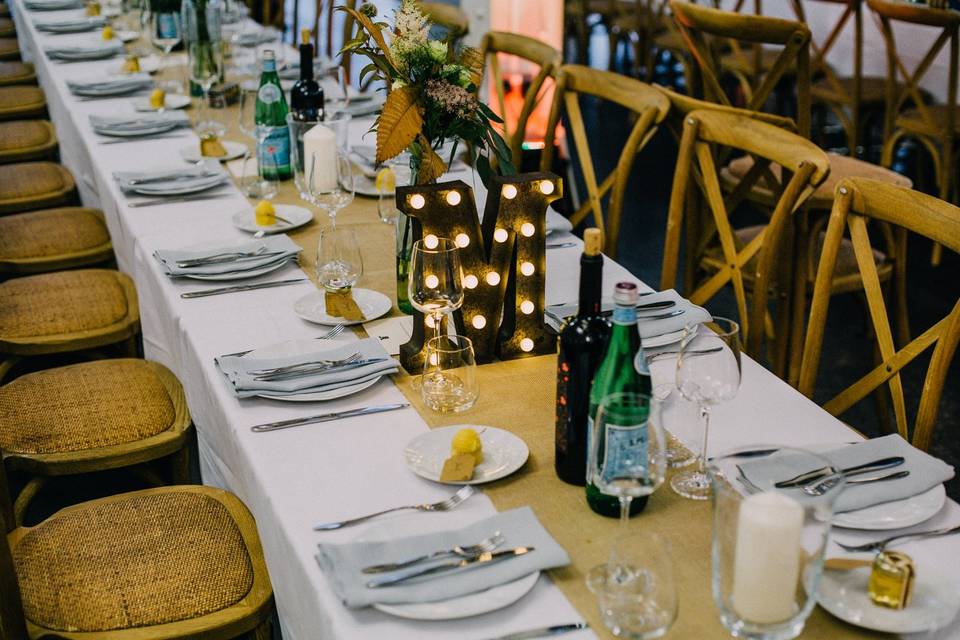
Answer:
(640, 363)
(624, 315)
(269, 93)
(624, 454)
(275, 151)
(167, 26)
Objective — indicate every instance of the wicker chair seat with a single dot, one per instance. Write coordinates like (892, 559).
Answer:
(53, 239)
(7, 28)
(137, 560)
(17, 73)
(9, 49)
(28, 186)
(19, 102)
(84, 406)
(63, 303)
(22, 140)
(822, 199)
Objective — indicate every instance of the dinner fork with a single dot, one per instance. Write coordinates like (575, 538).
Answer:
(333, 333)
(353, 357)
(216, 258)
(820, 487)
(880, 544)
(444, 505)
(464, 551)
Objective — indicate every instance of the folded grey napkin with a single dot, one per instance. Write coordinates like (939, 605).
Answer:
(254, 38)
(52, 5)
(557, 223)
(342, 563)
(172, 179)
(110, 86)
(71, 25)
(239, 370)
(273, 249)
(85, 52)
(144, 124)
(692, 314)
(926, 472)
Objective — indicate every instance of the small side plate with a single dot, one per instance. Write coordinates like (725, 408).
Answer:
(234, 150)
(245, 220)
(503, 453)
(312, 307)
(171, 101)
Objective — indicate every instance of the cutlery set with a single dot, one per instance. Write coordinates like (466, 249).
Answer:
(298, 371)
(445, 568)
(817, 482)
(241, 287)
(333, 333)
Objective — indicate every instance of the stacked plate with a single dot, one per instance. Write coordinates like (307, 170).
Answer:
(71, 25)
(176, 181)
(138, 125)
(82, 52)
(256, 38)
(117, 86)
(52, 5)
(232, 262)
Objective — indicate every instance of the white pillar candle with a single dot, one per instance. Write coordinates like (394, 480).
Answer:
(320, 148)
(767, 561)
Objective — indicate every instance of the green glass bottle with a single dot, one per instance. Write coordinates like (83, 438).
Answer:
(623, 369)
(273, 150)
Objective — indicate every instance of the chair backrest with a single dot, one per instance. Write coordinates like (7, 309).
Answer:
(697, 172)
(532, 50)
(650, 107)
(857, 201)
(703, 28)
(323, 24)
(452, 19)
(903, 84)
(12, 625)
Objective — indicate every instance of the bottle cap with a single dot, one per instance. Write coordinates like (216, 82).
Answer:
(304, 36)
(592, 241)
(626, 294)
(268, 54)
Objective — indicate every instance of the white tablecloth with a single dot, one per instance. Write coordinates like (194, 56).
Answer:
(291, 479)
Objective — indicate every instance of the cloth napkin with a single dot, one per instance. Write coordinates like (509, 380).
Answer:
(145, 123)
(342, 563)
(71, 25)
(85, 51)
(926, 472)
(555, 314)
(281, 243)
(238, 369)
(110, 86)
(175, 178)
(52, 5)
(557, 223)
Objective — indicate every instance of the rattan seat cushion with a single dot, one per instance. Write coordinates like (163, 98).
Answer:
(22, 140)
(7, 28)
(84, 406)
(34, 185)
(9, 49)
(17, 73)
(21, 102)
(136, 561)
(64, 302)
(69, 235)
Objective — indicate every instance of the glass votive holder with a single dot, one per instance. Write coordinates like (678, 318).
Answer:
(449, 382)
(769, 542)
(340, 125)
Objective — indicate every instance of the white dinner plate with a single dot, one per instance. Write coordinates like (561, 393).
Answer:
(312, 307)
(245, 220)
(295, 347)
(151, 130)
(934, 603)
(167, 189)
(503, 453)
(148, 64)
(243, 275)
(896, 514)
(666, 338)
(234, 150)
(170, 101)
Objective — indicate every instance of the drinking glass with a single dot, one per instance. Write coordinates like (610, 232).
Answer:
(627, 456)
(400, 174)
(435, 286)
(331, 187)
(677, 414)
(339, 263)
(449, 383)
(166, 31)
(708, 373)
(205, 55)
(257, 187)
(635, 590)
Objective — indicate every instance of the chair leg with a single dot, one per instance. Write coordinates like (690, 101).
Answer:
(29, 492)
(7, 364)
(180, 465)
(148, 475)
(264, 631)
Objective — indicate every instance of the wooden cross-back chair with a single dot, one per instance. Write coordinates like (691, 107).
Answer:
(323, 31)
(908, 113)
(532, 50)
(450, 18)
(859, 200)
(705, 29)
(648, 105)
(761, 259)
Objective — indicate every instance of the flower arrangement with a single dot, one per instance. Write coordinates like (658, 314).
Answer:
(431, 94)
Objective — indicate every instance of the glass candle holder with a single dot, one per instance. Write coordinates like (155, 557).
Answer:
(768, 543)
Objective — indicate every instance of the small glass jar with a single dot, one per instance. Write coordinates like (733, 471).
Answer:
(891, 580)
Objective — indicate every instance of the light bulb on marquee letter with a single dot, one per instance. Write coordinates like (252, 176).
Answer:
(527, 306)
(417, 201)
(453, 198)
(471, 281)
(462, 240)
(493, 278)
(527, 268)
(509, 191)
(527, 229)
(500, 235)
(431, 241)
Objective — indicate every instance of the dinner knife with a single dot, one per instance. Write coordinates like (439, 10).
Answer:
(224, 259)
(490, 557)
(544, 632)
(327, 417)
(310, 371)
(167, 200)
(241, 287)
(818, 474)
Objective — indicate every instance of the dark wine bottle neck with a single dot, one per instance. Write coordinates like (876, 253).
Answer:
(306, 62)
(591, 282)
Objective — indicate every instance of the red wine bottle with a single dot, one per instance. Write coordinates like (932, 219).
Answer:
(306, 95)
(583, 339)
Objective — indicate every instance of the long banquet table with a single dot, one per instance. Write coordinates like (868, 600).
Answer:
(294, 478)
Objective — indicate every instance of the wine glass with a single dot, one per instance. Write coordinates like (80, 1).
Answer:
(627, 456)
(339, 263)
(330, 183)
(206, 68)
(166, 31)
(708, 373)
(257, 187)
(435, 286)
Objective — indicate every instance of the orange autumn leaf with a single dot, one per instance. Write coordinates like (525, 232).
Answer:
(432, 165)
(400, 123)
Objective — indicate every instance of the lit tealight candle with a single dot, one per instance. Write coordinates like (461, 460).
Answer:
(526, 306)
(500, 235)
(527, 229)
(493, 278)
(527, 268)
(509, 191)
(479, 322)
(526, 345)
(767, 561)
(462, 240)
(417, 201)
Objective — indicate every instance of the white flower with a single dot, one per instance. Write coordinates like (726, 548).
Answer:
(438, 51)
(398, 84)
(410, 23)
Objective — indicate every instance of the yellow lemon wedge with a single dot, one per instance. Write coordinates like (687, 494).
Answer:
(386, 180)
(158, 98)
(131, 65)
(108, 33)
(265, 215)
(467, 441)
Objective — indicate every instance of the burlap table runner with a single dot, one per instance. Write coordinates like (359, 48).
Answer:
(519, 396)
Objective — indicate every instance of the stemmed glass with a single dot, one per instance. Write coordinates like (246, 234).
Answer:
(339, 262)
(166, 31)
(257, 187)
(435, 286)
(708, 373)
(331, 186)
(206, 68)
(627, 456)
